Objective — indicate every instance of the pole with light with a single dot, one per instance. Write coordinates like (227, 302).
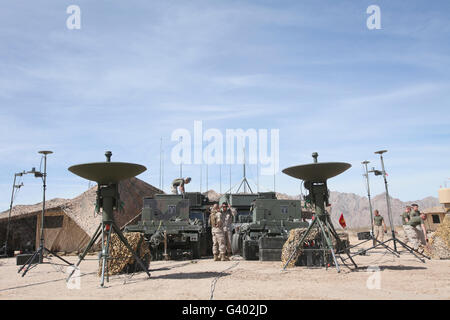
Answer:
(366, 175)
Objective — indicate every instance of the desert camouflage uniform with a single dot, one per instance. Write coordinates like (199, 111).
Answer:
(405, 215)
(416, 213)
(421, 235)
(227, 217)
(414, 234)
(177, 183)
(217, 233)
(378, 227)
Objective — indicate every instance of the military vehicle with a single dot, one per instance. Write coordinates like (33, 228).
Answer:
(242, 202)
(175, 226)
(262, 232)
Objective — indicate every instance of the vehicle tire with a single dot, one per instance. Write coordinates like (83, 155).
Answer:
(195, 247)
(250, 250)
(203, 245)
(236, 244)
(155, 253)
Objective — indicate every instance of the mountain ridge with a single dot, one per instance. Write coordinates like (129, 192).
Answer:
(355, 208)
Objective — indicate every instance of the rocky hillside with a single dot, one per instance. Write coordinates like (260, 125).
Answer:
(212, 195)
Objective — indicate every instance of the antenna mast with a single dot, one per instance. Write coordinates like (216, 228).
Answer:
(244, 181)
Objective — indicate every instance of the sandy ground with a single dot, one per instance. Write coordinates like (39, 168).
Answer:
(398, 278)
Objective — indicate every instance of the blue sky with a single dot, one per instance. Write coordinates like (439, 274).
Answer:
(137, 70)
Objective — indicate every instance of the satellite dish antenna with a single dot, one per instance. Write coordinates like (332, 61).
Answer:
(108, 175)
(105, 173)
(315, 176)
(317, 171)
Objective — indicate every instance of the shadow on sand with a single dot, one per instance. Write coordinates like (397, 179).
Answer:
(395, 268)
(192, 275)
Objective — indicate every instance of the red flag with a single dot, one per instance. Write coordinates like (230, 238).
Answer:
(342, 221)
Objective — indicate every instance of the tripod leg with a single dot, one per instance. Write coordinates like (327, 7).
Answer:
(55, 255)
(395, 240)
(358, 244)
(108, 243)
(339, 241)
(125, 242)
(412, 251)
(387, 247)
(347, 251)
(29, 262)
(90, 244)
(383, 244)
(300, 243)
(329, 244)
(105, 251)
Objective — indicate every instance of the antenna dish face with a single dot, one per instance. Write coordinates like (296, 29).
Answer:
(320, 171)
(107, 172)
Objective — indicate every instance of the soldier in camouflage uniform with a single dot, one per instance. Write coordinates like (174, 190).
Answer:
(179, 183)
(379, 225)
(415, 210)
(420, 227)
(219, 248)
(227, 216)
(416, 236)
(405, 219)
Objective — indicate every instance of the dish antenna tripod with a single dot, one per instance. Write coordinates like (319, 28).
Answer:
(315, 176)
(108, 175)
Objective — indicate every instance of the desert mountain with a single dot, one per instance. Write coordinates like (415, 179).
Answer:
(212, 195)
(356, 208)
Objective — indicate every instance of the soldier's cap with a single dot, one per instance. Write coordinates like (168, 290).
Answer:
(414, 205)
(225, 203)
(408, 206)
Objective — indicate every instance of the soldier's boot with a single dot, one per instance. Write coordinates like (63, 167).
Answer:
(223, 257)
(216, 257)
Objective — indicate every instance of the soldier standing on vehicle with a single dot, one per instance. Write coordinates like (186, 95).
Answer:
(379, 225)
(227, 216)
(179, 183)
(218, 237)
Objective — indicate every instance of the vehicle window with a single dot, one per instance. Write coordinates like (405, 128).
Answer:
(196, 215)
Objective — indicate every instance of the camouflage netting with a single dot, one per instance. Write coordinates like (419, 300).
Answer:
(293, 242)
(121, 259)
(439, 244)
